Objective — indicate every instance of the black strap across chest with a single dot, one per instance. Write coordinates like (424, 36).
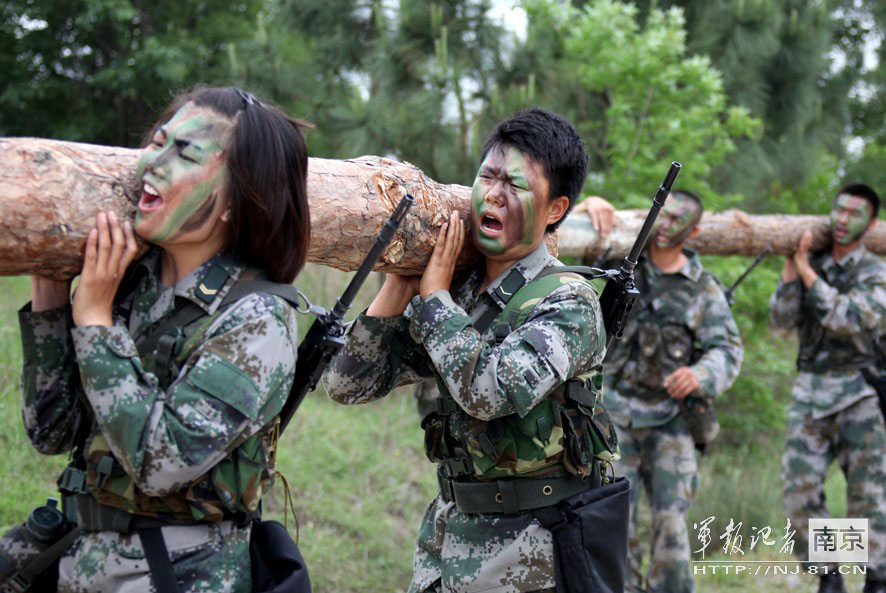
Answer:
(185, 311)
(513, 282)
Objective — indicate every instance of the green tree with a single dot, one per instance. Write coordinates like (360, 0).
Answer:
(100, 70)
(404, 80)
(639, 100)
(792, 63)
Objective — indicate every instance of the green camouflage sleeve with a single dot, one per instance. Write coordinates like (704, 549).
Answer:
(717, 337)
(784, 306)
(230, 387)
(49, 381)
(563, 337)
(860, 310)
(379, 356)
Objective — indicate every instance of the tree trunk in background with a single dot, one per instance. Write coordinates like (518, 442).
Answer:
(50, 192)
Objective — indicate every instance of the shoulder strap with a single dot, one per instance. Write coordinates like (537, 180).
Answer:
(159, 563)
(514, 282)
(160, 339)
(24, 578)
(523, 302)
(244, 288)
(588, 272)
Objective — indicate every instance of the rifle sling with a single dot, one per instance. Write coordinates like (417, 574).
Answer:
(159, 563)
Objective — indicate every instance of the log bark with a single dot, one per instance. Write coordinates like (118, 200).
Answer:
(50, 192)
(731, 232)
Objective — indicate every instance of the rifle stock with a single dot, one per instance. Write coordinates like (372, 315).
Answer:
(327, 334)
(620, 293)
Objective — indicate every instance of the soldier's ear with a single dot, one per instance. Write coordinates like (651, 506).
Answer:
(226, 215)
(557, 209)
(694, 232)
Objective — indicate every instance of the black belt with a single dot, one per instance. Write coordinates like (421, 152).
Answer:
(94, 516)
(514, 495)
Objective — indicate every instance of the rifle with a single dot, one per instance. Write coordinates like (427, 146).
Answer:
(730, 292)
(620, 293)
(327, 334)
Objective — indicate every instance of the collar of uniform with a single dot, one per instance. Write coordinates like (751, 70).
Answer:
(849, 260)
(529, 267)
(692, 269)
(208, 284)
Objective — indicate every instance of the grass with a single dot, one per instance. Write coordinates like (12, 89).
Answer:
(360, 480)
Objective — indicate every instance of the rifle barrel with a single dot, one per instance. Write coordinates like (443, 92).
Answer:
(381, 243)
(658, 202)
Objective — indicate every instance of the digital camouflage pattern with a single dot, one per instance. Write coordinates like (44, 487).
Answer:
(662, 460)
(562, 338)
(196, 449)
(681, 319)
(205, 558)
(856, 438)
(834, 412)
(838, 320)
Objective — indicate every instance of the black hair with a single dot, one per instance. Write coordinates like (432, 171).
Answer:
(552, 142)
(266, 186)
(866, 192)
(688, 195)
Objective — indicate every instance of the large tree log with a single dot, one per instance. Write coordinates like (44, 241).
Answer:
(50, 192)
(731, 232)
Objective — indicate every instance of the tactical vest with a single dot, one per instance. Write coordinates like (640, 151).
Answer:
(563, 435)
(657, 341)
(232, 488)
(822, 350)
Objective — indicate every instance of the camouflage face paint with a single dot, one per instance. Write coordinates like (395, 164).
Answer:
(181, 173)
(850, 217)
(508, 192)
(675, 222)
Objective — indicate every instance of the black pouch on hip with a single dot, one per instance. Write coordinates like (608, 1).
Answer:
(590, 538)
(277, 565)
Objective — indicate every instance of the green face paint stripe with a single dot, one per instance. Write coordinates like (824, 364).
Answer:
(191, 204)
(857, 220)
(198, 126)
(478, 195)
(517, 163)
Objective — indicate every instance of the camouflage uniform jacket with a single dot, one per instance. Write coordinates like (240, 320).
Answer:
(562, 338)
(233, 383)
(844, 311)
(680, 319)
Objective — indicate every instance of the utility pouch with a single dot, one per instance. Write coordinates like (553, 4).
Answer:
(701, 420)
(29, 553)
(585, 562)
(277, 565)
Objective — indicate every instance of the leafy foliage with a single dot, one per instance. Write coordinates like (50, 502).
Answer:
(100, 70)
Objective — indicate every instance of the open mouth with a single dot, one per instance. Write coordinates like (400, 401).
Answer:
(491, 225)
(150, 199)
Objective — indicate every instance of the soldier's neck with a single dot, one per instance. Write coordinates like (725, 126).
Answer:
(838, 251)
(176, 263)
(667, 259)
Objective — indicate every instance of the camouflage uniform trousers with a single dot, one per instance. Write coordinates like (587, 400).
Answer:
(438, 588)
(856, 438)
(661, 460)
(211, 558)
